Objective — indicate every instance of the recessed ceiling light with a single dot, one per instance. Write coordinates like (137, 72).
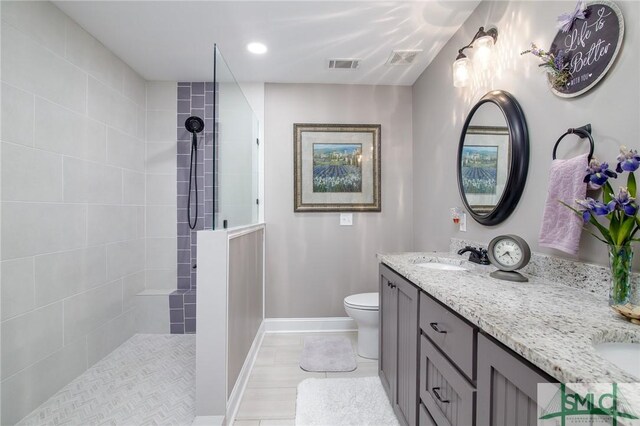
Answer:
(257, 48)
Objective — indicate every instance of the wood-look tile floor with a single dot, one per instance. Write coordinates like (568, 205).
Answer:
(270, 396)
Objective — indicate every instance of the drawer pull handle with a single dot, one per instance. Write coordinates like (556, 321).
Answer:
(392, 285)
(434, 325)
(438, 397)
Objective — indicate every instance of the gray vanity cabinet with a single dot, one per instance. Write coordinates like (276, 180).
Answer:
(398, 361)
(438, 369)
(387, 333)
(507, 387)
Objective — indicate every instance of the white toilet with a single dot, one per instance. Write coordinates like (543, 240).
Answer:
(363, 308)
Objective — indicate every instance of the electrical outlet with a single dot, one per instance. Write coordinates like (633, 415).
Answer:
(463, 222)
(346, 219)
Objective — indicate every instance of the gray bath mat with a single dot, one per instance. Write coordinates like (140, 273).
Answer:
(327, 353)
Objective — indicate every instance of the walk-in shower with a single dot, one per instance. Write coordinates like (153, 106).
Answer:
(194, 125)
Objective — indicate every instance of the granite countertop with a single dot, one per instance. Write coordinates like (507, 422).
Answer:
(552, 325)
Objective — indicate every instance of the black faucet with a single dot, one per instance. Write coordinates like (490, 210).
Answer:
(476, 255)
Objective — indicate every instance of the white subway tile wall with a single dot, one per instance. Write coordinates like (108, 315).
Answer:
(66, 132)
(17, 109)
(30, 387)
(74, 170)
(160, 219)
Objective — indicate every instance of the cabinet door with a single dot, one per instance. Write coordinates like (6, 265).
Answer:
(507, 387)
(406, 400)
(387, 335)
(446, 394)
(425, 418)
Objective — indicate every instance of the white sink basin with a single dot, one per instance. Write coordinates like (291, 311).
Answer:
(440, 266)
(626, 356)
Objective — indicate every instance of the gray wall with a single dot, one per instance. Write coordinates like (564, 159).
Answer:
(439, 110)
(312, 262)
(73, 202)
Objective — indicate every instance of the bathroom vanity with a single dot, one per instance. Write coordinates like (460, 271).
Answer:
(458, 347)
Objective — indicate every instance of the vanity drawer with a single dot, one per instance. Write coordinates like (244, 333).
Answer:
(425, 418)
(445, 393)
(451, 334)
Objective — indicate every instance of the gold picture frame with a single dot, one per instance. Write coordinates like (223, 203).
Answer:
(336, 167)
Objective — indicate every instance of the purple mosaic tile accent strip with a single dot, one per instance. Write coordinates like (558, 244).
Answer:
(177, 329)
(194, 98)
(190, 297)
(182, 313)
(189, 310)
(176, 316)
(176, 301)
(190, 326)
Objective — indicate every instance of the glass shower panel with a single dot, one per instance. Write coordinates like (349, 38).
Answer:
(236, 160)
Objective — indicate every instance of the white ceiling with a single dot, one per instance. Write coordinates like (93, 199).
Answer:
(173, 40)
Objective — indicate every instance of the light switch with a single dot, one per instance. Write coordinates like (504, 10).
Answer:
(346, 219)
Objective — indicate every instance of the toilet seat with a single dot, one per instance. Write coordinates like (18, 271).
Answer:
(363, 301)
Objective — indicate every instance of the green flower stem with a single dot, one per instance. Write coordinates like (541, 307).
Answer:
(620, 258)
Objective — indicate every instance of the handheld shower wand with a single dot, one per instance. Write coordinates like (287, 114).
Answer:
(194, 125)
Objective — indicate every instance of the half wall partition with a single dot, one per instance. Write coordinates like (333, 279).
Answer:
(217, 177)
(230, 257)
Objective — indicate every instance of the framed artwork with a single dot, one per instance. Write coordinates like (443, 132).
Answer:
(484, 163)
(336, 167)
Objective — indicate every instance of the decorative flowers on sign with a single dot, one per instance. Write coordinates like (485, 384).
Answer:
(556, 66)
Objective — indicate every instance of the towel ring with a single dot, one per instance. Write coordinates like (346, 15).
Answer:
(582, 132)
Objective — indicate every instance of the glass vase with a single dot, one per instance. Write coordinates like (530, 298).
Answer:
(624, 295)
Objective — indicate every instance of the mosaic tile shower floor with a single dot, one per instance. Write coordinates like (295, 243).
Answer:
(148, 380)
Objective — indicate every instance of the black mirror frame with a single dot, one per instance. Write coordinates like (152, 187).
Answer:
(519, 161)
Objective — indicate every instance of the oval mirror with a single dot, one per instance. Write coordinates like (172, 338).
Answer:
(493, 158)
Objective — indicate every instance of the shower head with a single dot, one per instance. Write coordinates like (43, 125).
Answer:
(194, 124)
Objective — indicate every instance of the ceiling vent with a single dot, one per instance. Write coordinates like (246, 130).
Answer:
(402, 57)
(344, 64)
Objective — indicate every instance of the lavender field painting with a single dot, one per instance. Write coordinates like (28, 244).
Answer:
(337, 167)
(479, 169)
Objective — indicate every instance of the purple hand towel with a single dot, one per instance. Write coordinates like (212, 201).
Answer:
(561, 227)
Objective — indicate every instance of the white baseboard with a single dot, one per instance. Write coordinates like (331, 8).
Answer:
(294, 325)
(233, 403)
(208, 421)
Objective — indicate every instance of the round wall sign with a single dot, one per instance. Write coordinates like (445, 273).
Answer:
(590, 47)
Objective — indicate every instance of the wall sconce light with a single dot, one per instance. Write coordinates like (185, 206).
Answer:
(482, 44)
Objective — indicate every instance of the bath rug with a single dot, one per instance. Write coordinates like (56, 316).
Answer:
(327, 353)
(358, 401)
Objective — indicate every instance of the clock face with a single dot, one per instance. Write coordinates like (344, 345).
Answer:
(509, 252)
